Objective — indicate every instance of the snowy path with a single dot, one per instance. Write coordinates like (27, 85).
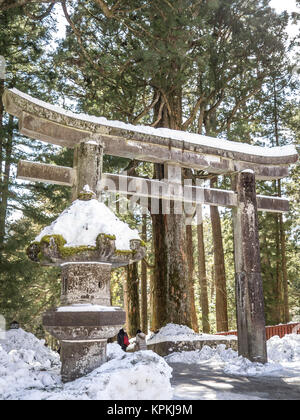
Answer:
(200, 382)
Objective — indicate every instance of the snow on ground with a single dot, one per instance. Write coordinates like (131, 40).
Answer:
(175, 333)
(283, 355)
(83, 221)
(29, 370)
(25, 363)
(136, 376)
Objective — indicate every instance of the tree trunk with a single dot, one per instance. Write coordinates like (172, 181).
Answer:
(286, 309)
(5, 180)
(2, 139)
(170, 281)
(151, 300)
(269, 282)
(151, 285)
(213, 283)
(177, 270)
(282, 238)
(133, 299)
(1, 130)
(278, 288)
(219, 268)
(284, 271)
(125, 296)
(202, 273)
(190, 256)
(160, 287)
(144, 300)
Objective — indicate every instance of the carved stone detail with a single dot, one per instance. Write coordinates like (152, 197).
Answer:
(86, 283)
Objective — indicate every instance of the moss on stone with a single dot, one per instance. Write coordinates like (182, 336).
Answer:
(107, 236)
(43, 258)
(69, 251)
(86, 196)
(123, 252)
(58, 239)
(66, 252)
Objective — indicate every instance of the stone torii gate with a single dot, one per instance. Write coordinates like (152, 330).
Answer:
(91, 137)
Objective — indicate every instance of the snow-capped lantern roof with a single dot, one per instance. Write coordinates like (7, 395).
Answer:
(87, 231)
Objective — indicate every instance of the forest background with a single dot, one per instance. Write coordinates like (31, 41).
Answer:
(225, 68)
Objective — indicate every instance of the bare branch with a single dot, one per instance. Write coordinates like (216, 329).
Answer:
(131, 168)
(193, 113)
(147, 109)
(216, 104)
(166, 102)
(115, 6)
(201, 120)
(238, 105)
(7, 4)
(147, 264)
(159, 114)
(105, 9)
(43, 15)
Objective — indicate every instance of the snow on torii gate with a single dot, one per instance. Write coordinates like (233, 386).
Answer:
(91, 137)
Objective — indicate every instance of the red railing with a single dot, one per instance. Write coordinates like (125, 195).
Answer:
(280, 330)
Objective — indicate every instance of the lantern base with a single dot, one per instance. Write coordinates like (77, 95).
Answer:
(81, 357)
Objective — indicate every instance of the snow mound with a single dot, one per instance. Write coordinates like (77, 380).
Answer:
(175, 333)
(207, 353)
(243, 367)
(138, 376)
(228, 359)
(286, 349)
(83, 221)
(283, 355)
(114, 351)
(31, 371)
(30, 349)
(25, 363)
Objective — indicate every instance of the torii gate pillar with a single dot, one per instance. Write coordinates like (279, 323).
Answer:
(88, 163)
(249, 290)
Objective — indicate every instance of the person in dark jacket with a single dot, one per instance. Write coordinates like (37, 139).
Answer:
(123, 339)
(140, 343)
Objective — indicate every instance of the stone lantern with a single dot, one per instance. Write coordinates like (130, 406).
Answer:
(14, 325)
(86, 241)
